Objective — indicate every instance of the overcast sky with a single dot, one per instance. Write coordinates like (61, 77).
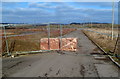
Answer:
(60, 12)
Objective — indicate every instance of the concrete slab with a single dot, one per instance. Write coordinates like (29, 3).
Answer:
(107, 70)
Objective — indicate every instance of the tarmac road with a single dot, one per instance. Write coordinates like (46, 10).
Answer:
(54, 64)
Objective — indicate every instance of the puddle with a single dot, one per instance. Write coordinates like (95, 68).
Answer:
(99, 56)
(95, 53)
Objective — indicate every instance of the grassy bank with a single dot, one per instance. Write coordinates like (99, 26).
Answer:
(104, 41)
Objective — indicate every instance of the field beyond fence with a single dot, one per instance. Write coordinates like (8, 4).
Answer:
(28, 39)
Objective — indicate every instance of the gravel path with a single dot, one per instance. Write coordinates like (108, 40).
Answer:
(54, 64)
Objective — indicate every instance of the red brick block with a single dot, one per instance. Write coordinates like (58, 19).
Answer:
(69, 44)
(54, 44)
(44, 44)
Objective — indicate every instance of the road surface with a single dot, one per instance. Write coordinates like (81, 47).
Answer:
(69, 64)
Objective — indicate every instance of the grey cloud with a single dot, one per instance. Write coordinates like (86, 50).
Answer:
(62, 13)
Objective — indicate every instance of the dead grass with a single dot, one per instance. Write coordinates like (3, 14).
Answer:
(29, 42)
(107, 31)
(104, 41)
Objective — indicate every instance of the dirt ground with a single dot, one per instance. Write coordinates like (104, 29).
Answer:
(69, 64)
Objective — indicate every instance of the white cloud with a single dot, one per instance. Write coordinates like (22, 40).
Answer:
(41, 5)
(60, 0)
(62, 13)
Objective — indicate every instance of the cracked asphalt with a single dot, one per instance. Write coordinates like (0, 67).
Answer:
(68, 64)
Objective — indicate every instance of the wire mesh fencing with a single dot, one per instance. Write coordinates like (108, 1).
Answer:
(27, 37)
